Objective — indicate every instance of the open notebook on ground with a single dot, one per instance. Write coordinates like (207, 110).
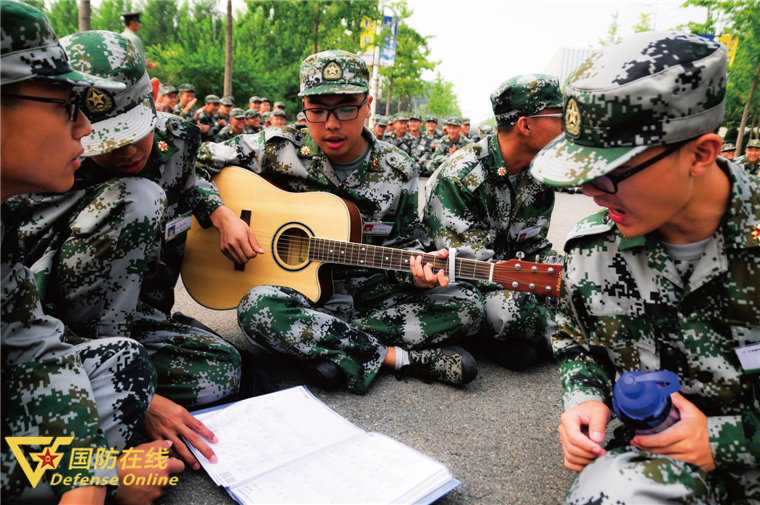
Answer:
(289, 447)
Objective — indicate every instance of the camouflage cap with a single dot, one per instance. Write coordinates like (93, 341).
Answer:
(279, 104)
(753, 143)
(117, 119)
(226, 101)
(166, 89)
(254, 99)
(277, 112)
(380, 120)
(415, 116)
(265, 117)
(525, 95)
(431, 119)
(653, 88)
(237, 113)
(212, 99)
(454, 121)
(300, 116)
(230, 98)
(186, 87)
(400, 117)
(251, 113)
(465, 120)
(485, 128)
(728, 148)
(29, 49)
(265, 99)
(333, 72)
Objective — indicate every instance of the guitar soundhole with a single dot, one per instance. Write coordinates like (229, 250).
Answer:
(293, 247)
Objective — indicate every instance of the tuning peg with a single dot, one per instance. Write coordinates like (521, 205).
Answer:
(519, 255)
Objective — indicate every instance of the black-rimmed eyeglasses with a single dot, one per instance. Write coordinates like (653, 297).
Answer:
(609, 183)
(72, 104)
(342, 113)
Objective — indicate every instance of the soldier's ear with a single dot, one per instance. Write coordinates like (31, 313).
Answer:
(703, 152)
(522, 126)
(155, 85)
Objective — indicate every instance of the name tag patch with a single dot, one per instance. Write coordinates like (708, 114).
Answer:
(178, 226)
(749, 357)
(379, 229)
(528, 233)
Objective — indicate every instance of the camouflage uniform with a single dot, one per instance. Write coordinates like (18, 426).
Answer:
(178, 110)
(135, 294)
(405, 143)
(227, 132)
(742, 161)
(624, 304)
(371, 309)
(441, 152)
(473, 206)
(54, 384)
(212, 120)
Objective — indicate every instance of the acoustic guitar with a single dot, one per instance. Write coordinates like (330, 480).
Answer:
(303, 234)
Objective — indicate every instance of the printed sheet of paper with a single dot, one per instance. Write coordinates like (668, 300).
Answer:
(372, 468)
(265, 432)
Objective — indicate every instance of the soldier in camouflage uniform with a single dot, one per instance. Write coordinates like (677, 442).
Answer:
(749, 162)
(254, 103)
(236, 127)
(225, 106)
(425, 147)
(465, 130)
(664, 278)
(266, 105)
(54, 384)
(279, 106)
(415, 122)
(400, 137)
(380, 125)
(253, 121)
(728, 151)
(186, 106)
(156, 151)
(483, 202)
(209, 121)
(375, 317)
(168, 98)
(301, 118)
(447, 146)
(265, 119)
(278, 118)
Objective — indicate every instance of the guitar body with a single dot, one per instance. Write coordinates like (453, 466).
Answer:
(282, 222)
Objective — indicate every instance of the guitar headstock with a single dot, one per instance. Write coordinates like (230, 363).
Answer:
(519, 275)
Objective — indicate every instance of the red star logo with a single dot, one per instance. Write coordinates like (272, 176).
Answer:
(375, 162)
(756, 232)
(47, 458)
(305, 150)
(162, 145)
(502, 171)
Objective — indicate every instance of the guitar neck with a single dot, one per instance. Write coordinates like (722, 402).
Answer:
(386, 258)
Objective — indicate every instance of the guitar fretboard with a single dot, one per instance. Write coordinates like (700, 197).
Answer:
(386, 258)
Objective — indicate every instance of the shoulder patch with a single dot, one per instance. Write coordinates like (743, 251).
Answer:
(594, 224)
(294, 135)
(396, 159)
(177, 127)
(466, 166)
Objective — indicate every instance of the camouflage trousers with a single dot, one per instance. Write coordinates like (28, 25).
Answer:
(91, 249)
(123, 382)
(518, 315)
(194, 367)
(628, 475)
(355, 328)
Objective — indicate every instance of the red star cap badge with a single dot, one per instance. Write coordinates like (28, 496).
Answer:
(756, 232)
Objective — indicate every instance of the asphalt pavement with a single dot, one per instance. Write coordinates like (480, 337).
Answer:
(498, 434)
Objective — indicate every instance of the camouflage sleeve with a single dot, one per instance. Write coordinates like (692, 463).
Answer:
(452, 216)
(583, 377)
(46, 390)
(246, 151)
(437, 158)
(205, 194)
(735, 440)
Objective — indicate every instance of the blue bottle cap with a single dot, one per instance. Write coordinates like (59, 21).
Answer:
(638, 395)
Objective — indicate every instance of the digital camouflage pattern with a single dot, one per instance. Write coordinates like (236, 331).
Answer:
(423, 151)
(748, 166)
(189, 116)
(624, 307)
(128, 288)
(406, 142)
(118, 119)
(333, 72)
(525, 95)
(49, 386)
(227, 133)
(371, 309)
(473, 206)
(441, 152)
(212, 121)
(610, 115)
(29, 49)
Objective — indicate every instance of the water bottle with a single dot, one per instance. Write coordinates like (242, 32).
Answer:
(643, 403)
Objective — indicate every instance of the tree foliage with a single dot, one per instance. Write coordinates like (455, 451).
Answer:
(442, 101)
(613, 32)
(740, 18)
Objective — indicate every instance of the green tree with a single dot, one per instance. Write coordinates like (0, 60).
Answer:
(613, 32)
(442, 101)
(644, 24)
(158, 27)
(107, 16)
(64, 17)
(740, 18)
